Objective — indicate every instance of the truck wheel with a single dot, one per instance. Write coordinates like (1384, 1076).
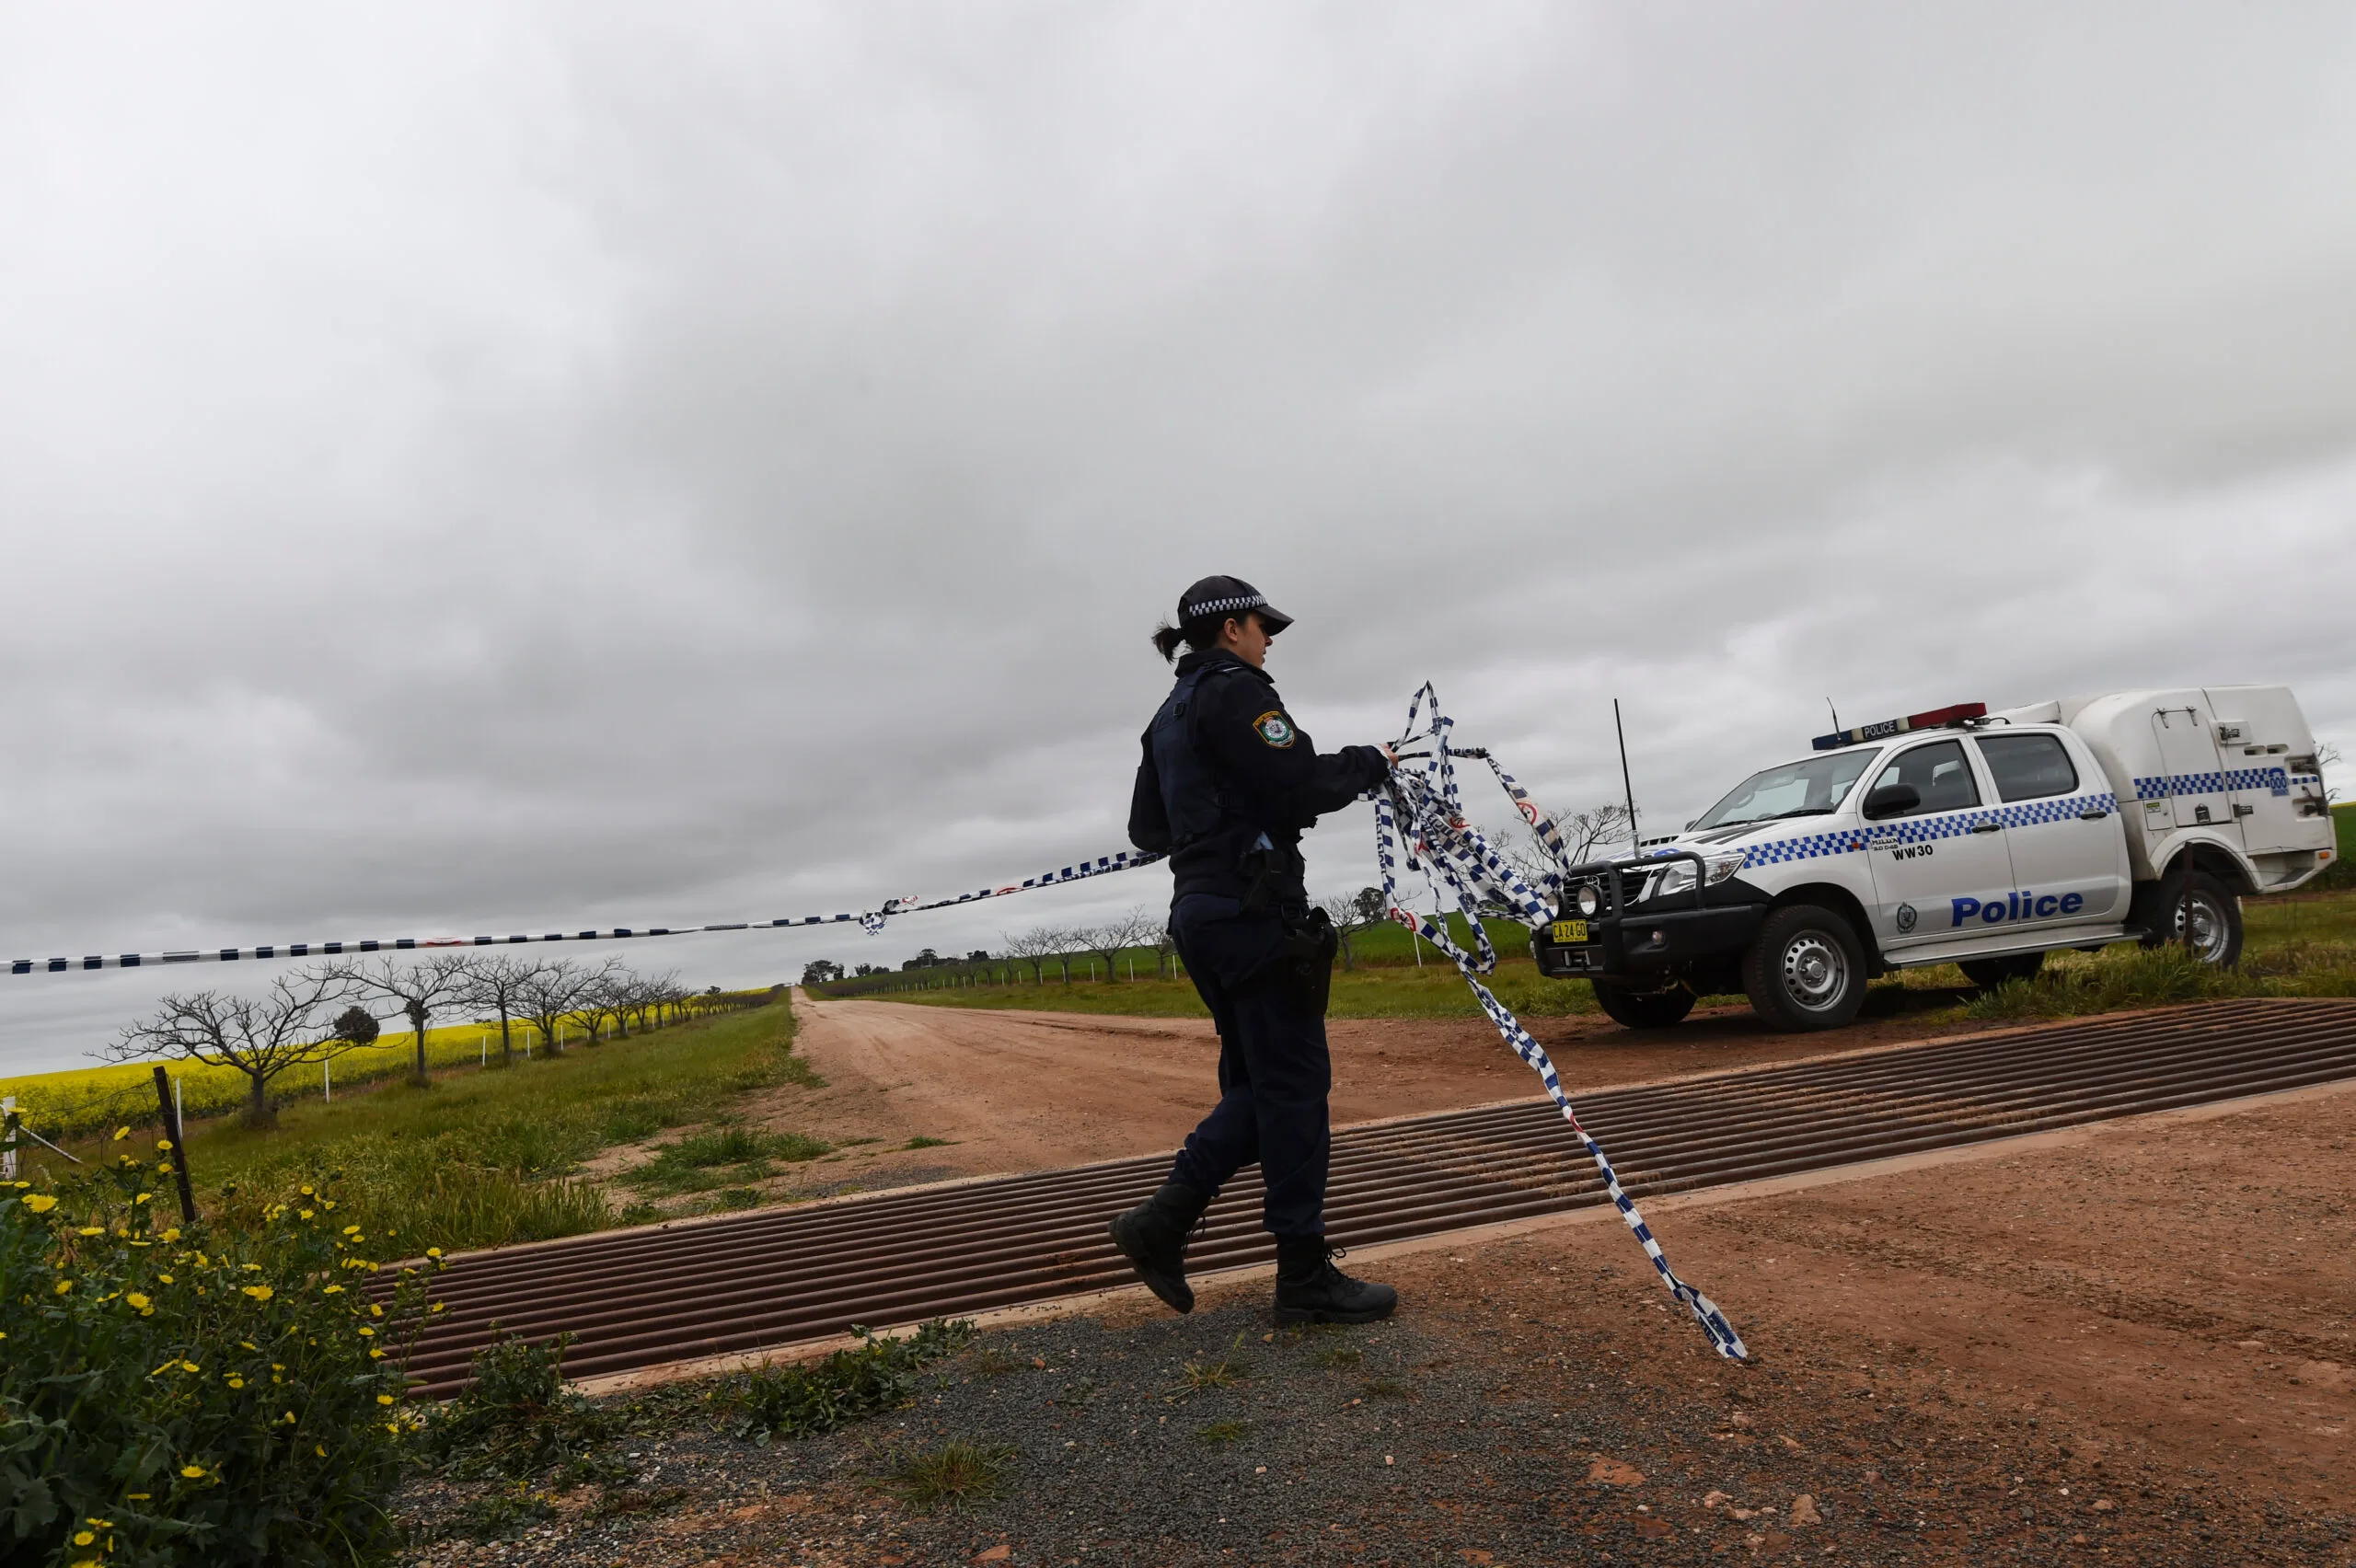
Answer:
(1644, 1010)
(1806, 970)
(1990, 973)
(2217, 917)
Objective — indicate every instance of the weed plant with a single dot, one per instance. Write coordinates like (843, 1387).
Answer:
(697, 1162)
(516, 1418)
(189, 1395)
(954, 1475)
(1218, 1434)
(1223, 1372)
(799, 1398)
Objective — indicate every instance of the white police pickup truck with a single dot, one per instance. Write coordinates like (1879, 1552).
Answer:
(1958, 836)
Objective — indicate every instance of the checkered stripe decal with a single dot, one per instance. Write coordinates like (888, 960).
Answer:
(1919, 830)
(2273, 780)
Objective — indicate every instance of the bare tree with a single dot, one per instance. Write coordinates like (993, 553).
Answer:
(286, 1026)
(500, 983)
(1115, 937)
(1359, 911)
(1165, 950)
(549, 998)
(604, 992)
(419, 987)
(1033, 948)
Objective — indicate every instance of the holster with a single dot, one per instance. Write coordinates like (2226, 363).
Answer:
(1311, 943)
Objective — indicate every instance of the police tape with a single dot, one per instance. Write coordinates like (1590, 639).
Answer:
(873, 922)
(1419, 818)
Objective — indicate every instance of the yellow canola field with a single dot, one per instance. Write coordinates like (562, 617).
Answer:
(86, 1099)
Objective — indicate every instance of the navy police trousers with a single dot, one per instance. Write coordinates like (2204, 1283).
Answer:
(1274, 1070)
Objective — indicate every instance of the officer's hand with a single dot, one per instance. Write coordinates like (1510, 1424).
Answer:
(1389, 755)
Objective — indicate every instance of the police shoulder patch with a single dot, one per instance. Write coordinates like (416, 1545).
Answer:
(1274, 728)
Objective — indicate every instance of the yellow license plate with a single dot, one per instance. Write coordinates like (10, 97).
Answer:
(1570, 931)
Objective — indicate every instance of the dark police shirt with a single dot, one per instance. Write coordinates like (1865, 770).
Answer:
(1269, 776)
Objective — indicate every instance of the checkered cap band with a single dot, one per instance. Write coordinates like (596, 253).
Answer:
(1225, 606)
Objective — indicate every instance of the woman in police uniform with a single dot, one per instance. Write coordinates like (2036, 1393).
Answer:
(1226, 784)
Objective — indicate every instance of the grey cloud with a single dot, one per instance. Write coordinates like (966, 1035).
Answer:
(501, 467)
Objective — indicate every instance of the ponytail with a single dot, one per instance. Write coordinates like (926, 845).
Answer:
(1200, 633)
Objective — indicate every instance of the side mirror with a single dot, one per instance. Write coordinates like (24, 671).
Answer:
(1892, 799)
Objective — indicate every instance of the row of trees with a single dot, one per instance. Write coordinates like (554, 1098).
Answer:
(1120, 944)
(314, 1014)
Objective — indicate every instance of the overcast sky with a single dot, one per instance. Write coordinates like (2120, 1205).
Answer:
(488, 468)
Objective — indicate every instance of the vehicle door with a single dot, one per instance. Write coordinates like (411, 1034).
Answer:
(1936, 865)
(2195, 779)
(2069, 852)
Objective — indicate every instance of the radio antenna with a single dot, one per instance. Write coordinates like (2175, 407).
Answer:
(1636, 844)
(1836, 713)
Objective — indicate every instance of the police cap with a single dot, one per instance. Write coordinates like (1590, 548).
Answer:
(1230, 596)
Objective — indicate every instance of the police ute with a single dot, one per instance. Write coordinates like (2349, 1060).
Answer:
(1956, 835)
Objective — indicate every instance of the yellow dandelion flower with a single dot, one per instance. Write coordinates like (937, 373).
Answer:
(91, 1230)
(191, 1367)
(172, 1233)
(352, 1230)
(165, 1145)
(165, 1278)
(143, 1197)
(320, 1450)
(331, 1290)
(191, 1472)
(374, 1310)
(84, 1538)
(287, 1419)
(120, 1133)
(64, 1287)
(376, 1354)
(258, 1292)
(306, 1214)
(135, 1299)
(436, 1307)
(235, 1382)
(383, 1399)
(327, 1203)
(433, 1251)
(40, 1203)
(367, 1332)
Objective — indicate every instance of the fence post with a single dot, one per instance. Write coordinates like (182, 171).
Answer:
(170, 1113)
(327, 1081)
(8, 1144)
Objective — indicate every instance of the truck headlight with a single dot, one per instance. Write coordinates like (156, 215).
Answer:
(1588, 899)
(1678, 877)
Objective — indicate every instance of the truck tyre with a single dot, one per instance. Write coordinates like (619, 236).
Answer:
(1990, 973)
(1644, 1010)
(2216, 915)
(1806, 970)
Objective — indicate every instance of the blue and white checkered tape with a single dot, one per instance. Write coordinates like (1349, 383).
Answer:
(2273, 780)
(1924, 829)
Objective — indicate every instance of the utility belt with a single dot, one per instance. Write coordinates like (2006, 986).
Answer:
(1303, 962)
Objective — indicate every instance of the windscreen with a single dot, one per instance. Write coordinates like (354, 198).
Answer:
(1813, 788)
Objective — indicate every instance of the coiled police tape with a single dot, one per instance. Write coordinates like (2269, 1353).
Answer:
(871, 922)
(1419, 817)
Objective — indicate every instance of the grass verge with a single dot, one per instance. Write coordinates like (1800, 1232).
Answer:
(485, 1159)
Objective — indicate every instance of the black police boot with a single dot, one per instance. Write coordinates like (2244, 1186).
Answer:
(1310, 1289)
(1153, 1236)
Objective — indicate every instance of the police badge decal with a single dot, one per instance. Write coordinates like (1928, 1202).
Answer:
(1274, 728)
(1905, 913)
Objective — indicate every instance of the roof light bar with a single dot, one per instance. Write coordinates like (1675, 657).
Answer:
(1956, 713)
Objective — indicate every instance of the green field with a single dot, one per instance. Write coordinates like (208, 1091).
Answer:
(85, 1100)
(483, 1157)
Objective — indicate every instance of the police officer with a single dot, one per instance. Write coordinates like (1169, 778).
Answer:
(1226, 784)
